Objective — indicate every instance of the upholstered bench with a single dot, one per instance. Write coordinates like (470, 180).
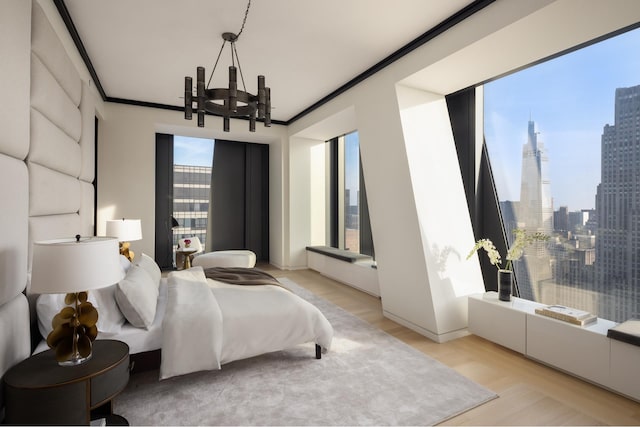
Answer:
(232, 258)
(628, 332)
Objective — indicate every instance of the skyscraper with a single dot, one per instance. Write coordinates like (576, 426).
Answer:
(535, 214)
(618, 210)
(536, 208)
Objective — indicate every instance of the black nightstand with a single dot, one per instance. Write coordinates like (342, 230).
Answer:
(39, 391)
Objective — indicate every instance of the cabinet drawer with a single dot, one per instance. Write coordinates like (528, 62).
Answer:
(625, 375)
(568, 347)
(64, 404)
(109, 383)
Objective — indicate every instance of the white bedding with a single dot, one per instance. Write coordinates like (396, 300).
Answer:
(209, 323)
(243, 321)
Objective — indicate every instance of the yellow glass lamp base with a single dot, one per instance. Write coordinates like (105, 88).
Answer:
(124, 250)
(74, 329)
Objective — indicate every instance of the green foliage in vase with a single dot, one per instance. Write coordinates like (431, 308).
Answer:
(523, 239)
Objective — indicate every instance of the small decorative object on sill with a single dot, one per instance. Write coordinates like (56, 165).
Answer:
(566, 314)
(505, 275)
(505, 284)
(187, 243)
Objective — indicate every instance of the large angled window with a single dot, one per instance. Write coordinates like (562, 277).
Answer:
(350, 228)
(563, 139)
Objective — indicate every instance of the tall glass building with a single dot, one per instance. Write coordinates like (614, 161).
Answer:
(618, 208)
(535, 214)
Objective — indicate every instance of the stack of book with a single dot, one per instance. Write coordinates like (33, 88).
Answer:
(567, 314)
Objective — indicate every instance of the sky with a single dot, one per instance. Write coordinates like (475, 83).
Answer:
(571, 99)
(352, 166)
(192, 151)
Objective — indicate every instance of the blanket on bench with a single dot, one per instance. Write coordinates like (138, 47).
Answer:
(241, 276)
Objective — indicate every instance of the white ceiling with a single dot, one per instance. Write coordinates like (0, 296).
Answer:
(141, 50)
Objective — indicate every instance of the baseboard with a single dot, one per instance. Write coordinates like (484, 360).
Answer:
(439, 338)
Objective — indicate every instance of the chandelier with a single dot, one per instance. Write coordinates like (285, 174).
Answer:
(232, 101)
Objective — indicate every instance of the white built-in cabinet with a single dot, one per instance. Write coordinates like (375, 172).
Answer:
(583, 351)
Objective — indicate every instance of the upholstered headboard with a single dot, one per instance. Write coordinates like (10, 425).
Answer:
(47, 159)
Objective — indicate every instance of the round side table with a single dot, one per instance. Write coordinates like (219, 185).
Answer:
(39, 391)
(186, 253)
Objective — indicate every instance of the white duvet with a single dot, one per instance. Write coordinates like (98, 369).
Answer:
(208, 323)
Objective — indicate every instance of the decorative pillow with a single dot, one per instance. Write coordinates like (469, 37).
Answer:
(125, 263)
(47, 306)
(149, 265)
(110, 318)
(137, 296)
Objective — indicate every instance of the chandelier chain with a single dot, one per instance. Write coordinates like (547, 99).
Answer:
(244, 21)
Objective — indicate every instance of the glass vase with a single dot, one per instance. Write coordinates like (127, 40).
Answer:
(505, 284)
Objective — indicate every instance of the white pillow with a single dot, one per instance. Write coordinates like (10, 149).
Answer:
(137, 297)
(110, 318)
(47, 306)
(125, 263)
(149, 265)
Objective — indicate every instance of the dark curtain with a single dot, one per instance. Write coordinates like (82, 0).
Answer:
(333, 193)
(482, 198)
(164, 200)
(239, 207)
(366, 236)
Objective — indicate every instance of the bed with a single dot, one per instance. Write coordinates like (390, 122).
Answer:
(198, 323)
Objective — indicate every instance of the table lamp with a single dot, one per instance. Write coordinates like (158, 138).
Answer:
(125, 230)
(74, 266)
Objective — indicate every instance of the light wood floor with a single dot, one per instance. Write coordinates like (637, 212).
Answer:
(530, 393)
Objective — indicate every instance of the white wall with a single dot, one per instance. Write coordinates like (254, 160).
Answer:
(441, 206)
(306, 198)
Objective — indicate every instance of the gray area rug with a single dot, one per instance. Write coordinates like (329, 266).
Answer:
(368, 378)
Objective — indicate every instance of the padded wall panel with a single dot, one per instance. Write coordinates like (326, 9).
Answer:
(88, 138)
(53, 148)
(48, 97)
(52, 227)
(15, 335)
(87, 208)
(51, 192)
(46, 44)
(14, 193)
(15, 38)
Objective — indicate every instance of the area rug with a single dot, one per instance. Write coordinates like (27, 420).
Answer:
(368, 378)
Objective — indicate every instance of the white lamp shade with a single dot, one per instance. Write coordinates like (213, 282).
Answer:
(67, 265)
(125, 230)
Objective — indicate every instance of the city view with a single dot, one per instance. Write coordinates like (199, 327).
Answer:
(564, 141)
(192, 168)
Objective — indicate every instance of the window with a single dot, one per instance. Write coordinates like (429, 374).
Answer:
(351, 187)
(231, 206)
(563, 139)
(193, 164)
(350, 228)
